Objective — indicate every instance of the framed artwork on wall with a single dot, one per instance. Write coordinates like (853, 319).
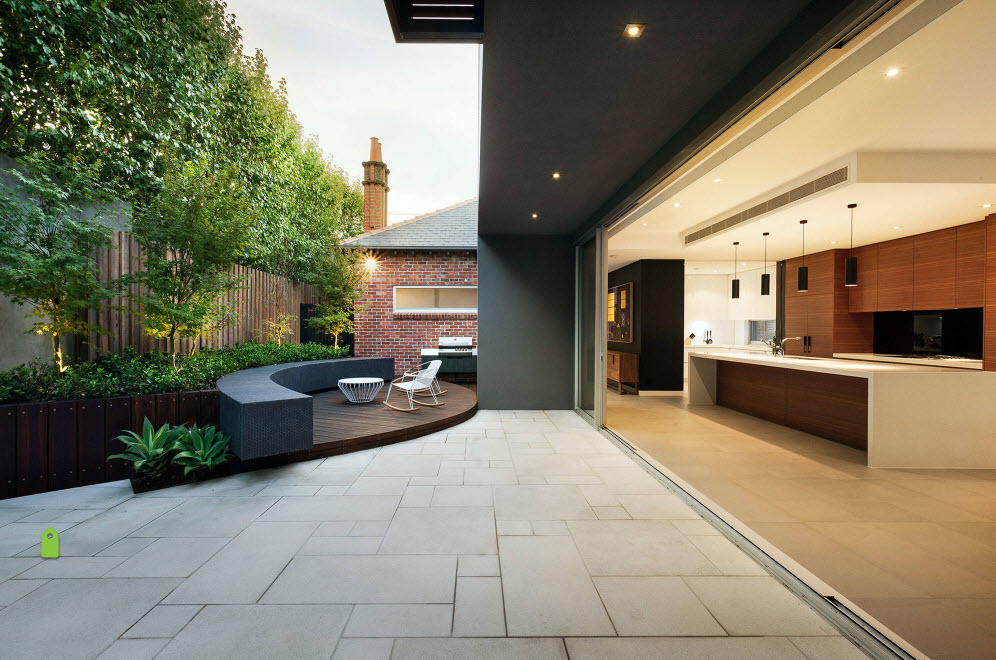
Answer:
(620, 313)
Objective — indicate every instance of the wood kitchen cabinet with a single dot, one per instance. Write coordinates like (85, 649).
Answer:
(935, 260)
(821, 315)
(864, 296)
(970, 269)
(895, 275)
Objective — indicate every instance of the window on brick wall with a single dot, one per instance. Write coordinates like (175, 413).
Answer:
(457, 299)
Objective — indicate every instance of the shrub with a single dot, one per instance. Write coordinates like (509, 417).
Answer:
(201, 450)
(130, 374)
(150, 452)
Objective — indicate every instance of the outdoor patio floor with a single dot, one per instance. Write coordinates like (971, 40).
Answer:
(518, 534)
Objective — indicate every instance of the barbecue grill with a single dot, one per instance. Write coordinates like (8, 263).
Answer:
(457, 353)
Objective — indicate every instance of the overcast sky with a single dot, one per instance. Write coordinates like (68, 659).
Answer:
(349, 81)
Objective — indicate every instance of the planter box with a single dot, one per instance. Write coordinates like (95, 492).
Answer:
(63, 444)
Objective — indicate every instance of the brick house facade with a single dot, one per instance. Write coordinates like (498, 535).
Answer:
(435, 253)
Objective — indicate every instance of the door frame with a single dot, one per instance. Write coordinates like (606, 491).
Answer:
(600, 236)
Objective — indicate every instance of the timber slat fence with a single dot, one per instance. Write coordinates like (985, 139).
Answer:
(262, 298)
(63, 444)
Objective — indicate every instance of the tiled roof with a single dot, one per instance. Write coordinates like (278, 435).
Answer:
(452, 228)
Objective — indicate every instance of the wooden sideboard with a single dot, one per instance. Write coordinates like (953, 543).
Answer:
(623, 368)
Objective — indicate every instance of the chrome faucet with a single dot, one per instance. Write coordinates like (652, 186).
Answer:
(778, 345)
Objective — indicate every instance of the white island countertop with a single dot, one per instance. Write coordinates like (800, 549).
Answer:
(824, 365)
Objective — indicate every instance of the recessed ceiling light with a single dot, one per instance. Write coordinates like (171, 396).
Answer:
(535, 215)
(744, 263)
(898, 227)
(716, 180)
(892, 72)
(644, 224)
(677, 204)
(634, 30)
(714, 270)
(833, 242)
(985, 206)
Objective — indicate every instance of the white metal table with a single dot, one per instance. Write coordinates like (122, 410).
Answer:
(361, 390)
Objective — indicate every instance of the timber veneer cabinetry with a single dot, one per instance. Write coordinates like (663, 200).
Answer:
(821, 315)
(942, 269)
(623, 368)
(895, 275)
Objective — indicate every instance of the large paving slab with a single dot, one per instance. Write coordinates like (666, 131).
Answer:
(520, 534)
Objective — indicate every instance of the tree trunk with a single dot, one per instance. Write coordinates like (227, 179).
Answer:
(57, 351)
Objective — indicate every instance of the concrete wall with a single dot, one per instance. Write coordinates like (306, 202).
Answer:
(16, 347)
(526, 322)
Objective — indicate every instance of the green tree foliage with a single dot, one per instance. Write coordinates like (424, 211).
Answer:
(191, 235)
(306, 205)
(114, 83)
(50, 231)
(120, 94)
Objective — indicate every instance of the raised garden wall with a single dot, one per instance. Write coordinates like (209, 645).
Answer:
(63, 444)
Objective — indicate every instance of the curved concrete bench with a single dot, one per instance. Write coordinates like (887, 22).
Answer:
(267, 410)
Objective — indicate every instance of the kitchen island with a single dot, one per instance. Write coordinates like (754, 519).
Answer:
(904, 415)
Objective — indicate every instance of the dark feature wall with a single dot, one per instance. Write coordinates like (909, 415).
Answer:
(525, 322)
(658, 320)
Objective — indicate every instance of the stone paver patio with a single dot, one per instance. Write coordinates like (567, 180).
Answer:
(519, 534)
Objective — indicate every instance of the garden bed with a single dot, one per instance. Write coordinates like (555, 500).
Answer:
(50, 444)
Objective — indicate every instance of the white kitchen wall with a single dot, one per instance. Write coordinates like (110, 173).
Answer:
(708, 305)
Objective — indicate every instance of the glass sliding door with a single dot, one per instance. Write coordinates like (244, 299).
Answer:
(590, 327)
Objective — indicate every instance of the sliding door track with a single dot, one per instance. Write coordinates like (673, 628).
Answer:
(850, 624)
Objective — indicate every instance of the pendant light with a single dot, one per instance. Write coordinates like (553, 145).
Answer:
(851, 263)
(765, 277)
(736, 280)
(803, 270)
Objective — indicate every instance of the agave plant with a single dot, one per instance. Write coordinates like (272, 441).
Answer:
(201, 449)
(149, 453)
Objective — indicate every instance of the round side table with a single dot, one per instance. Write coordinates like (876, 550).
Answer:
(361, 390)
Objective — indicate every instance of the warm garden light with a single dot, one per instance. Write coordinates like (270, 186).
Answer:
(535, 216)
(556, 175)
(634, 30)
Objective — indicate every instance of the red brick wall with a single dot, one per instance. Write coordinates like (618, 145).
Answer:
(381, 332)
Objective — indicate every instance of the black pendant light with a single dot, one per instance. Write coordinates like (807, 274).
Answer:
(803, 270)
(765, 277)
(851, 263)
(736, 281)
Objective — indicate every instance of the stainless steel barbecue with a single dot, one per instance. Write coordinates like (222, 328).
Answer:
(457, 353)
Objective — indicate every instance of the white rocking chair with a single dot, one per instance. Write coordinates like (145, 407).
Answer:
(412, 382)
(435, 388)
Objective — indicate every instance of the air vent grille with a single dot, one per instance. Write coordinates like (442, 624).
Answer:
(799, 192)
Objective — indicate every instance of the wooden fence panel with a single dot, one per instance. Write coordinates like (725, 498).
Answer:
(117, 420)
(62, 445)
(262, 297)
(32, 448)
(90, 434)
(8, 451)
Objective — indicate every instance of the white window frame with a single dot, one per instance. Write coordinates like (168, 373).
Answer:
(431, 310)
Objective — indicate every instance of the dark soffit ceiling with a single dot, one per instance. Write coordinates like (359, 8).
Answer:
(564, 90)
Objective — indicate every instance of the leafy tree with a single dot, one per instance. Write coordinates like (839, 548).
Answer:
(191, 235)
(113, 83)
(340, 288)
(50, 232)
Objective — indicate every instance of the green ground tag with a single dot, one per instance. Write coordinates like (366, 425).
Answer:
(50, 544)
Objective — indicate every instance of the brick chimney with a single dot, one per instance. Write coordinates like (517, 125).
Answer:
(375, 189)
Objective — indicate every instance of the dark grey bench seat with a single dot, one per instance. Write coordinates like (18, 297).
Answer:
(267, 411)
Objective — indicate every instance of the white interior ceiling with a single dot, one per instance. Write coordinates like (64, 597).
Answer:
(942, 100)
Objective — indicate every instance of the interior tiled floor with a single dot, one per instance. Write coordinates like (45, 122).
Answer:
(914, 548)
(519, 534)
